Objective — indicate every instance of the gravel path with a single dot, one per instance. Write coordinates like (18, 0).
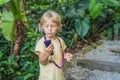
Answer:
(101, 53)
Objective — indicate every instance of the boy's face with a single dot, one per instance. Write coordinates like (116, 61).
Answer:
(50, 29)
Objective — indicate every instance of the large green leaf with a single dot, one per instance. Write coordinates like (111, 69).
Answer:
(17, 8)
(7, 25)
(112, 2)
(78, 26)
(22, 11)
(3, 1)
(14, 6)
(95, 8)
(85, 26)
(82, 26)
(91, 5)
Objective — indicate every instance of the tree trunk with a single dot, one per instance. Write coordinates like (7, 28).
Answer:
(19, 37)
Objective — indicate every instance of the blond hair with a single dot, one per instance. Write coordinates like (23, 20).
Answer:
(53, 16)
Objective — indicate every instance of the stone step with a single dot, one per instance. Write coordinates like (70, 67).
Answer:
(99, 65)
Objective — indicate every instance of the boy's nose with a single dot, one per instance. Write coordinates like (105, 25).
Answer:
(50, 28)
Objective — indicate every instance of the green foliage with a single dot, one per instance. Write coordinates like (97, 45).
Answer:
(7, 66)
(1, 54)
(107, 18)
(3, 1)
(74, 20)
(22, 67)
(31, 39)
(7, 25)
(5, 45)
(95, 8)
(72, 11)
(111, 3)
(17, 8)
(109, 34)
(91, 5)
(82, 27)
(9, 17)
(116, 29)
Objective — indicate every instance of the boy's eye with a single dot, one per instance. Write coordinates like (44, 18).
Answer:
(53, 26)
(46, 26)
(50, 26)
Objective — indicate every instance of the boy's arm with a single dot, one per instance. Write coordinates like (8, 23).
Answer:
(43, 57)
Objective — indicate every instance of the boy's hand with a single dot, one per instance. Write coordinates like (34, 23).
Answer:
(49, 49)
(68, 56)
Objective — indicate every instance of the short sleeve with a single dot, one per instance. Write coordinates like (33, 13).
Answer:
(63, 43)
(39, 47)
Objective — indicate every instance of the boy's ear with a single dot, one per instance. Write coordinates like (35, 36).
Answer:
(59, 28)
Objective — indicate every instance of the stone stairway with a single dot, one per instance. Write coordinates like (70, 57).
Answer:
(98, 64)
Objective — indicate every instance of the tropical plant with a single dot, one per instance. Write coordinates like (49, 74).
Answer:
(21, 67)
(75, 20)
(105, 18)
(95, 8)
(12, 26)
(113, 7)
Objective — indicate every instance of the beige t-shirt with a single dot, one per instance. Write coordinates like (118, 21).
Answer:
(50, 71)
